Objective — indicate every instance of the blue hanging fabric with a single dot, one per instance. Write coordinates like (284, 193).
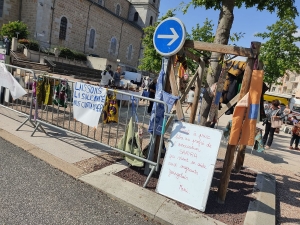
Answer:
(157, 123)
(133, 108)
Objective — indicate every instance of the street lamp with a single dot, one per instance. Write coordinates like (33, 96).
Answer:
(17, 34)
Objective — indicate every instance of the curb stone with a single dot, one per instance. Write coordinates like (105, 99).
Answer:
(262, 210)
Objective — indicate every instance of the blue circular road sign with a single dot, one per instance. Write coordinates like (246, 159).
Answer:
(169, 36)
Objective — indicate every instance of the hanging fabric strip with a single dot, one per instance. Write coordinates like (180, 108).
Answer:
(246, 127)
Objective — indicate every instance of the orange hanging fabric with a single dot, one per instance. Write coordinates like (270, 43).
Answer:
(244, 128)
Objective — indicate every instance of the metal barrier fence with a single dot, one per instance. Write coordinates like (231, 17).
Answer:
(23, 105)
(48, 111)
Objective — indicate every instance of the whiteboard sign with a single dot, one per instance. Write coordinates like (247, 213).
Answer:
(189, 164)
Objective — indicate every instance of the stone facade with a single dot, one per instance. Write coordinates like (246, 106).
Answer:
(9, 13)
(107, 30)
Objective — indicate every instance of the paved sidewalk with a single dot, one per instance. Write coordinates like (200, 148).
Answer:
(62, 151)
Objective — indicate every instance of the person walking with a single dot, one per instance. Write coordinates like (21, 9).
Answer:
(106, 77)
(190, 98)
(295, 136)
(272, 113)
(152, 91)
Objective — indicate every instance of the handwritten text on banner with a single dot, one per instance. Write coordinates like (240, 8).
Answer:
(189, 164)
(88, 102)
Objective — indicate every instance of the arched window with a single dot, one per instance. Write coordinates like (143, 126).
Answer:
(129, 54)
(92, 38)
(101, 2)
(1, 7)
(118, 9)
(154, 1)
(113, 46)
(151, 20)
(63, 28)
(136, 16)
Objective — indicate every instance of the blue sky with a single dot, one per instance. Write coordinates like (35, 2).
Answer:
(248, 21)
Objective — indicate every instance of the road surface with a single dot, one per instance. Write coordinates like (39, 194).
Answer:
(33, 192)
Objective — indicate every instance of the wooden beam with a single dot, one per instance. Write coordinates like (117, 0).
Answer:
(197, 93)
(225, 49)
(231, 103)
(191, 82)
(192, 56)
(175, 91)
(227, 166)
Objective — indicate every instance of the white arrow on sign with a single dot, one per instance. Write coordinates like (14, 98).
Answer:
(173, 36)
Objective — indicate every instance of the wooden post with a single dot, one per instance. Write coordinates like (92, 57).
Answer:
(227, 167)
(240, 158)
(175, 90)
(229, 105)
(197, 92)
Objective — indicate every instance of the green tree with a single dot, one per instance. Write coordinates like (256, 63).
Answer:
(11, 28)
(225, 22)
(152, 60)
(280, 53)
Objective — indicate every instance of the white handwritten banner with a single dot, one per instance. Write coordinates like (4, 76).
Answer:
(88, 102)
(189, 164)
(7, 80)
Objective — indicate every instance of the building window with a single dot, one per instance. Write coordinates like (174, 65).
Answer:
(113, 46)
(273, 89)
(63, 28)
(92, 38)
(101, 2)
(151, 20)
(129, 55)
(136, 17)
(1, 7)
(153, 1)
(118, 9)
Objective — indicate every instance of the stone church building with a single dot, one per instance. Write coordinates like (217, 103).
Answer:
(111, 29)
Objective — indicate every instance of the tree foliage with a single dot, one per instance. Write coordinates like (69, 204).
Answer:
(281, 7)
(11, 28)
(280, 53)
(222, 36)
(152, 60)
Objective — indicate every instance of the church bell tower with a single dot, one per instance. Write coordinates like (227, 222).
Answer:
(144, 12)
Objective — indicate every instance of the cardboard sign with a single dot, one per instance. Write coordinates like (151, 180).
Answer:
(88, 102)
(189, 164)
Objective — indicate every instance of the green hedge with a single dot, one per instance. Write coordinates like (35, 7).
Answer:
(67, 53)
(30, 44)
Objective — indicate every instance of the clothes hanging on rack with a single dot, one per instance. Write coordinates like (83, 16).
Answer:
(43, 90)
(40, 90)
(130, 143)
(111, 109)
(62, 93)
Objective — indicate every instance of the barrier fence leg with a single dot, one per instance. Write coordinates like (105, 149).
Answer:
(149, 176)
(22, 124)
(38, 126)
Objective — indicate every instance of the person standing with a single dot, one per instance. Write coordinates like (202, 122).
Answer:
(117, 76)
(106, 77)
(272, 113)
(286, 113)
(152, 91)
(190, 98)
(295, 136)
